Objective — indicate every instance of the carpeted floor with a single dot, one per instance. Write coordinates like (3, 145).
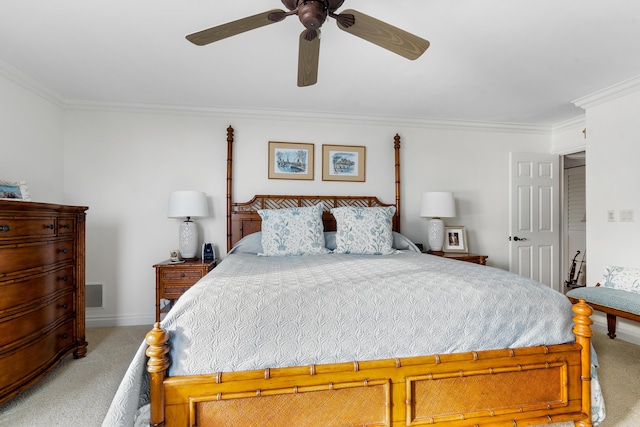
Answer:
(78, 392)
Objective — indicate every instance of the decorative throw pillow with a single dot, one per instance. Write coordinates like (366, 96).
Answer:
(624, 278)
(292, 231)
(364, 230)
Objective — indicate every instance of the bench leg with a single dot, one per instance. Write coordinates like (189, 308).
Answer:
(611, 325)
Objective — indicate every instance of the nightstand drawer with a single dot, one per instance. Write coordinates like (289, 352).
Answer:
(174, 275)
(173, 291)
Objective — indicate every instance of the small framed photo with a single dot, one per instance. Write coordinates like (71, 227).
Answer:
(343, 163)
(290, 160)
(14, 190)
(455, 239)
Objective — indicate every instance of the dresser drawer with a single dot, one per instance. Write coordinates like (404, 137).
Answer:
(19, 294)
(17, 330)
(20, 367)
(14, 228)
(19, 257)
(66, 226)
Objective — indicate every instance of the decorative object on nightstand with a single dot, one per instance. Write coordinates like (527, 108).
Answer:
(173, 279)
(455, 239)
(437, 205)
(188, 204)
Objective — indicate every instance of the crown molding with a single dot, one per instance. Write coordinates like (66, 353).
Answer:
(610, 93)
(308, 116)
(23, 80)
(16, 76)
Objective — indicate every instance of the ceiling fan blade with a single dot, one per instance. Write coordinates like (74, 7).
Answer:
(233, 28)
(308, 59)
(385, 35)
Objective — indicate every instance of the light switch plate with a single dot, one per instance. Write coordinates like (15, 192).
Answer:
(611, 216)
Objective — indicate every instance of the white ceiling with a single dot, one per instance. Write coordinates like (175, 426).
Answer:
(514, 61)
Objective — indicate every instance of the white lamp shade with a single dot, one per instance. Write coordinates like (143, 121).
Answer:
(438, 204)
(184, 204)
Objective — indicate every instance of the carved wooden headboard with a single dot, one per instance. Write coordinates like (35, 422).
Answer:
(243, 219)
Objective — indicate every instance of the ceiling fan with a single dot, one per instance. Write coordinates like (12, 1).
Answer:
(312, 14)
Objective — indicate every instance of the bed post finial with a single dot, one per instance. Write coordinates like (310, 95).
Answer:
(583, 333)
(229, 183)
(396, 147)
(157, 367)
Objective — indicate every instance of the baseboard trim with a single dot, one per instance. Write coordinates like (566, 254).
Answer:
(109, 321)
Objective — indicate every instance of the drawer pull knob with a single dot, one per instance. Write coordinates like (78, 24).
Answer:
(67, 226)
(182, 274)
(50, 226)
(65, 336)
(4, 228)
(64, 278)
(63, 250)
(65, 306)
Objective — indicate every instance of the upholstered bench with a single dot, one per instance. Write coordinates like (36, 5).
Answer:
(618, 296)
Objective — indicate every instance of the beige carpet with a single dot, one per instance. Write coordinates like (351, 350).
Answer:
(78, 392)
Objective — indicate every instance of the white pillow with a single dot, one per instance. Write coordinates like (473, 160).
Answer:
(292, 231)
(365, 231)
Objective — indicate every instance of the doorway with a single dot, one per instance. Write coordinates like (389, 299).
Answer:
(574, 221)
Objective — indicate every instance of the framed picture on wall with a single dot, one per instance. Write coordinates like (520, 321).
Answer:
(343, 163)
(290, 160)
(455, 239)
(14, 190)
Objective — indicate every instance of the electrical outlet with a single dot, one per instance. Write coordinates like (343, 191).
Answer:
(626, 215)
(611, 216)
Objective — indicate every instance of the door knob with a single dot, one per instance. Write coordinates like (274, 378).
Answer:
(517, 239)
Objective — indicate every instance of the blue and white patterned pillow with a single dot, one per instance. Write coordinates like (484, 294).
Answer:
(365, 231)
(292, 231)
(624, 278)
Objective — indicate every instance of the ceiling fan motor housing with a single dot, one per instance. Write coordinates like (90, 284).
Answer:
(312, 13)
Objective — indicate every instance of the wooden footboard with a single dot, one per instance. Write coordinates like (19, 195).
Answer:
(510, 387)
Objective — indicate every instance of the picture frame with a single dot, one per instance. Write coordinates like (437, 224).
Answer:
(291, 160)
(343, 163)
(455, 239)
(14, 190)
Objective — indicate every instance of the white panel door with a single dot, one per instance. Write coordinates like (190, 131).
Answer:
(534, 218)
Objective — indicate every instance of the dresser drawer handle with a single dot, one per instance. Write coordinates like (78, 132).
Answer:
(64, 278)
(63, 250)
(66, 226)
(50, 226)
(65, 306)
(4, 228)
(64, 336)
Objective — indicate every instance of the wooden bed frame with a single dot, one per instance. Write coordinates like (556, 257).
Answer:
(508, 387)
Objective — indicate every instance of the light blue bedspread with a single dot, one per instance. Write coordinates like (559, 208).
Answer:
(256, 312)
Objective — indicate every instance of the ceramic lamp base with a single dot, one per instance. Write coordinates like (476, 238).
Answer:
(435, 230)
(188, 239)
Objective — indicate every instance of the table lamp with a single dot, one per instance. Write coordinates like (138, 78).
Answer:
(437, 205)
(188, 204)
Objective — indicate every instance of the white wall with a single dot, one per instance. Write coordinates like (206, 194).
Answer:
(613, 178)
(31, 144)
(124, 164)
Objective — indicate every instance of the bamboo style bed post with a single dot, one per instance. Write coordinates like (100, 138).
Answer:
(229, 183)
(396, 148)
(583, 333)
(157, 367)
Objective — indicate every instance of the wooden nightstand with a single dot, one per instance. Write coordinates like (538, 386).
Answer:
(476, 259)
(173, 279)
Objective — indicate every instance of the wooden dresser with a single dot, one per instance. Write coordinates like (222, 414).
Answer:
(42, 290)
